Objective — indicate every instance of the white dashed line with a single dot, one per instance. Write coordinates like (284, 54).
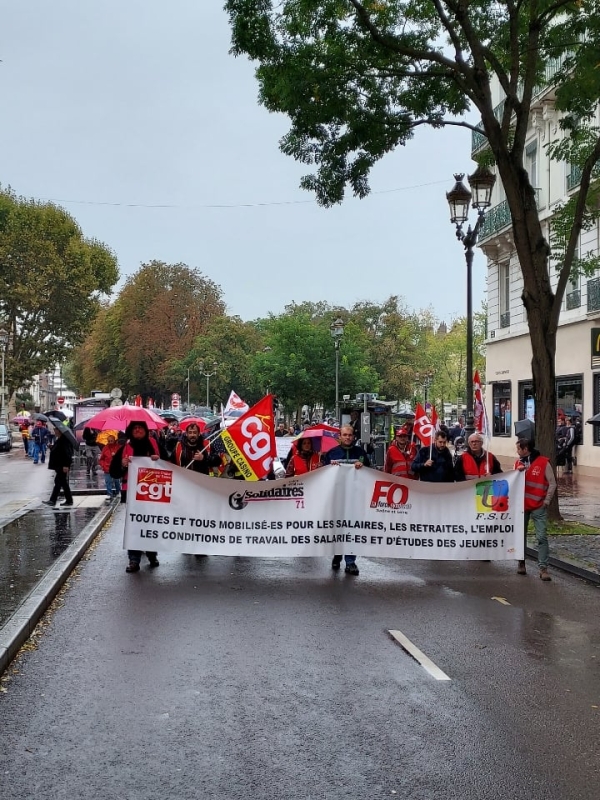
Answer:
(419, 656)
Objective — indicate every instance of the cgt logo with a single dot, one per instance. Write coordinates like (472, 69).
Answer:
(154, 485)
(491, 496)
(387, 494)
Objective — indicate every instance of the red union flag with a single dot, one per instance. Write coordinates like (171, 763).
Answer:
(481, 421)
(250, 440)
(423, 427)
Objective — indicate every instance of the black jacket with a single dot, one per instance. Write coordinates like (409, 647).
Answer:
(61, 454)
(442, 470)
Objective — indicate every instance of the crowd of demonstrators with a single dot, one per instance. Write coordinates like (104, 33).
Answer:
(347, 452)
(540, 486)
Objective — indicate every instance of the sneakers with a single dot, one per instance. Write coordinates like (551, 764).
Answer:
(335, 564)
(154, 562)
(351, 569)
(66, 503)
(133, 566)
(48, 503)
(544, 574)
(521, 569)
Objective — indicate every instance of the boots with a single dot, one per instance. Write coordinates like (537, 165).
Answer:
(521, 569)
(544, 574)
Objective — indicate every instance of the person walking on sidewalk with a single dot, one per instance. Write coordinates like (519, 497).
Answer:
(60, 460)
(40, 442)
(540, 485)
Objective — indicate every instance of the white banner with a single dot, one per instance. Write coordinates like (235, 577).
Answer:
(336, 509)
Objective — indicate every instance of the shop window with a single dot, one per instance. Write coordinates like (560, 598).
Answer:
(501, 393)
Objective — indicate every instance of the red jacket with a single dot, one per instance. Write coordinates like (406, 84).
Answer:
(300, 466)
(106, 455)
(474, 470)
(398, 462)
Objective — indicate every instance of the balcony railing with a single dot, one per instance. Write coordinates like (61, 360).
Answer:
(574, 177)
(593, 294)
(498, 217)
(505, 319)
(573, 299)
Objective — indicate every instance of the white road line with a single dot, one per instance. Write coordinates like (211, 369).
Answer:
(419, 656)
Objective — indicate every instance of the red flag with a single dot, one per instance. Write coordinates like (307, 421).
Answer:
(423, 427)
(250, 440)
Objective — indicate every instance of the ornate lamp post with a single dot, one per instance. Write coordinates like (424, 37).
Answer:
(208, 375)
(3, 343)
(459, 198)
(337, 331)
(425, 382)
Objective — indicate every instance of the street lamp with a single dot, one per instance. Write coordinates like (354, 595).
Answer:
(425, 381)
(337, 331)
(459, 198)
(3, 343)
(208, 375)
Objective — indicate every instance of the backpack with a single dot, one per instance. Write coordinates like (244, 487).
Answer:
(116, 465)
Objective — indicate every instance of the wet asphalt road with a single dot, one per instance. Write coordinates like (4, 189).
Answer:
(258, 678)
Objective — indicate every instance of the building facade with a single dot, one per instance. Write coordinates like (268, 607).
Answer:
(509, 395)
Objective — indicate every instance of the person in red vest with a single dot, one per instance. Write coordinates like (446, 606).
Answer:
(304, 459)
(399, 456)
(540, 485)
(475, 462)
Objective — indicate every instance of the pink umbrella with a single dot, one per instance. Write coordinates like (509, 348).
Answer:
(119, 417)
(323, 440)
(201, 423)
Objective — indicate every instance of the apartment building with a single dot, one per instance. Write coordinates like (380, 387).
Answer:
(509, 395)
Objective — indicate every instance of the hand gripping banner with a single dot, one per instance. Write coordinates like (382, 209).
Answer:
(335, 509)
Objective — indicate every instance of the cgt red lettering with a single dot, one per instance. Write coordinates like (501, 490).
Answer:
(154, 485)
(388, 493)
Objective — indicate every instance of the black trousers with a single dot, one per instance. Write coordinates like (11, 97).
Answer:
(61, 481)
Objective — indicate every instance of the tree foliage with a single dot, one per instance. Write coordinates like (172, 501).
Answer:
(358, 78)
(52, 280)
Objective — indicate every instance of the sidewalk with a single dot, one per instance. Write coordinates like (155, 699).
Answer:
(579, 501)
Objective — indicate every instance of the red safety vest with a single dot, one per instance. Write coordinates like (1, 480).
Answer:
(536, 485)
(474, 470)
(300, 466)
(397, 462)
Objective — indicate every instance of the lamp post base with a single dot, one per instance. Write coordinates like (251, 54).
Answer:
(469, 425)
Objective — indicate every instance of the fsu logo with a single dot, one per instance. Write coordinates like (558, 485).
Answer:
(491, 496)
(154, 485)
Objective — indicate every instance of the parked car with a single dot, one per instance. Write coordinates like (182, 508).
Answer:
(5, 438)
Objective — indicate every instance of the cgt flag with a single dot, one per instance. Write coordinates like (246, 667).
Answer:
(250, 441)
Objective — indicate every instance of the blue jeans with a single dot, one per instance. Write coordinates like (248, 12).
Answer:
(30, 448)
(113, 485)
(39, 452)
(348, 559)
(539, 516)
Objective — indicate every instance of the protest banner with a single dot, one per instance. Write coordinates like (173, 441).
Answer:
(335, 509)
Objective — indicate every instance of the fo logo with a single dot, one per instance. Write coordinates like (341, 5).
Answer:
(491, 496)
(387, 494)
(154, 485)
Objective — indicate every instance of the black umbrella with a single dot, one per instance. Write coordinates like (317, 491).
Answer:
(64, 429)
(595, 420)
(41, 417)
(57, 414)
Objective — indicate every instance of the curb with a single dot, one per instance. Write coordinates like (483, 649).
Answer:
(20, 625)
(567, 565)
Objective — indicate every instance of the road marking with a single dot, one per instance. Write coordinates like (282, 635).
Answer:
(502, 600)
(419, 656)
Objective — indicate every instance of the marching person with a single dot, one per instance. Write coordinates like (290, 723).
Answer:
(40, 442)
(303, 458)
(475, 462)
(398, 457)
(434, 464)
(540, 485)
(139, 444)
(347, 452)
(113, 485)
(192, 452)
(60, 460)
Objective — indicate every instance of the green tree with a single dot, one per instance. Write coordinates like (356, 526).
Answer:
(51, 281)
(357, 79)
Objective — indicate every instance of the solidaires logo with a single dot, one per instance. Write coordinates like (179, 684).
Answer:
(239, 500)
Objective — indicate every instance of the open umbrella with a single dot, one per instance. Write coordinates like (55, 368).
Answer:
(201, 423)
(64, 429)
(595, 420)
(102, 437)
(323, 440)
(21, 420)
(119, 417)
(41, 417)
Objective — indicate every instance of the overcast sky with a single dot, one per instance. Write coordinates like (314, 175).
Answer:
(133, 116)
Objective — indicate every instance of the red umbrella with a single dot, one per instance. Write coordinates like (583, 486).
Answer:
(201, 423)
(119, 417)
